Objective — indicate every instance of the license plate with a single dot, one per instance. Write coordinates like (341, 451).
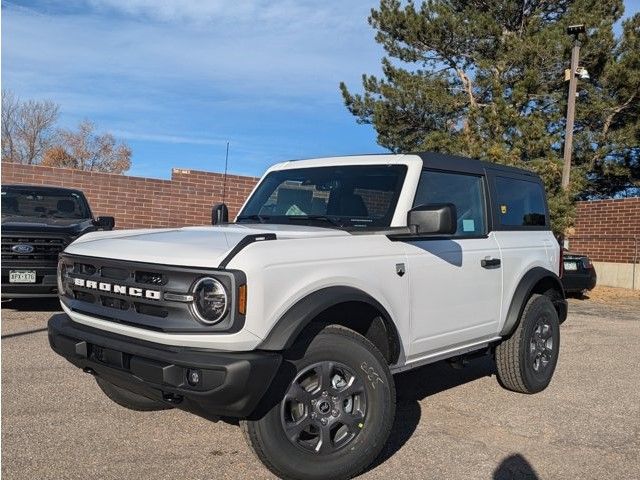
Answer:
(22, 276)
(570, 266)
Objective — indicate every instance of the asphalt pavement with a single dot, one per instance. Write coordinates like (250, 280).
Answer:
(450, 424)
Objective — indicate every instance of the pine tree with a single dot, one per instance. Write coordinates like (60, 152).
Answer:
(485, 79)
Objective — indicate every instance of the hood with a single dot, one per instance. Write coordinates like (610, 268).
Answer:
(188, 246)
(70, 226)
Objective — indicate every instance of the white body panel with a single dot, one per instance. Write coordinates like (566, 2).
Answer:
(522, 251)
(188, 246)
(241, 341)
(454, 300)
(297, 268)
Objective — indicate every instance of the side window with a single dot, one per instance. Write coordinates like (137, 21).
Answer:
(520, 203)
(464, 191)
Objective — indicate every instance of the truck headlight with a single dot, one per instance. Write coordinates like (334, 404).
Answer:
(210, 300)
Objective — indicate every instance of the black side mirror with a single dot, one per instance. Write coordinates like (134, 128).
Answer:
(219, 214)
(105, 223)
(433, 219)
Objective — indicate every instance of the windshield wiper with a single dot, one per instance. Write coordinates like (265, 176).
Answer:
(260, 218)
(322, 218)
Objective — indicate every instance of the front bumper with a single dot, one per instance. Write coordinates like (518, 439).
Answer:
(230, 384)
(46, 284)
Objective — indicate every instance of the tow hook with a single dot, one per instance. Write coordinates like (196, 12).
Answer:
(171, 398)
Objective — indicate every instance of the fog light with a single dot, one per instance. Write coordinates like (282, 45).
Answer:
(193, 377)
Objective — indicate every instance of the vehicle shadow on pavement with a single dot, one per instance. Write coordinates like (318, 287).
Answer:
(515, 467)
(21, 334)
(416, 385)
(577, 295)
(33, 304)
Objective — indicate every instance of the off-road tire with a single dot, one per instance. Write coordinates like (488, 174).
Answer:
(266, 436)
(129, 400)
(514, 363)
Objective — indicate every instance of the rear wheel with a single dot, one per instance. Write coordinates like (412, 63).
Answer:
(526, 360)
(128, 399)
(336, 414)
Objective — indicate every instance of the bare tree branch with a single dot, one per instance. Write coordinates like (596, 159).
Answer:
(85, 149)
(27, 128)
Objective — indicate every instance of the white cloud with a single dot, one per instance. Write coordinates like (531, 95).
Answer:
(179, 10)
(259, 14)
(164, 138)
(299, 50)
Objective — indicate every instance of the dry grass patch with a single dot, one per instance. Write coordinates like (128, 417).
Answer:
(611, 294)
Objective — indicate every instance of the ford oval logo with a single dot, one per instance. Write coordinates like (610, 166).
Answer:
(22, 248)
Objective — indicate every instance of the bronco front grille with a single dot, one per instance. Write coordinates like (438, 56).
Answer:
(43, 248)
(134, 293)
(116, 286)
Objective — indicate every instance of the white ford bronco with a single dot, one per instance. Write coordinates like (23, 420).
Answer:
(336, 274)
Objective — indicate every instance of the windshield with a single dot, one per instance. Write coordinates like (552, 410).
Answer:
(43, 203)
(362, 196)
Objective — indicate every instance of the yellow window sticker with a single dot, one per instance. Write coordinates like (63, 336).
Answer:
(503, 209)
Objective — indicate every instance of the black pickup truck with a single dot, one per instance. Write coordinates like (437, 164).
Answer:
(38, 222)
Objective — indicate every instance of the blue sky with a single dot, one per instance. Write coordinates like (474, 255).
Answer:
(176, 79)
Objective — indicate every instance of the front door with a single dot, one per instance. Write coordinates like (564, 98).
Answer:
(455, 282)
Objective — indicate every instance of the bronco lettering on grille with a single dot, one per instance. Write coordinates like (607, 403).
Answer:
(120, 289)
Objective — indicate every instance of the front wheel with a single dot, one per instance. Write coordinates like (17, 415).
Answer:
(526, 361)
(336, 414)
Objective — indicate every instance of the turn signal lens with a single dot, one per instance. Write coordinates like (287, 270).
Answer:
(242, 299)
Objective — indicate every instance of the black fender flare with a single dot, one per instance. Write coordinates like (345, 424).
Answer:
(289, 325)
(523, 292)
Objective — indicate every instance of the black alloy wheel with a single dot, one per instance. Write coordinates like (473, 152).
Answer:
(324, 408)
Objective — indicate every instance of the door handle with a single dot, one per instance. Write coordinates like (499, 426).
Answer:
(489, 262)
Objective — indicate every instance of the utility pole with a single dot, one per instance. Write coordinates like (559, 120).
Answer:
(574, 30)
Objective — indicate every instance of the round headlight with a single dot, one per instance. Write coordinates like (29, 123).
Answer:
(210, 300)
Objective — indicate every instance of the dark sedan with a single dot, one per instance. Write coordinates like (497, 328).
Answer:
(578, 275)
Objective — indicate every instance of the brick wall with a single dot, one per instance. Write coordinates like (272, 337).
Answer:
(138, 202)
(608, 230)
(605, 229)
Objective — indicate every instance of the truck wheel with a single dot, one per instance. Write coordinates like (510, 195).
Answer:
(336, 414)
(129, 400)
(527, 359)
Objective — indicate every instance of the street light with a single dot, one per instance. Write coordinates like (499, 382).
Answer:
(583, 73)
(574, 72)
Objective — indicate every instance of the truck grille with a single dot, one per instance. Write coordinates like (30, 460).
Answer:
(43, 248)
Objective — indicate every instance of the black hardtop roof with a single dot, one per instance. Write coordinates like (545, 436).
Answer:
(42, 188)
(442, 161)
(456, 163)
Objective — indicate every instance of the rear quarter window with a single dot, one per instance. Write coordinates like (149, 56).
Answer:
(520, 203)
